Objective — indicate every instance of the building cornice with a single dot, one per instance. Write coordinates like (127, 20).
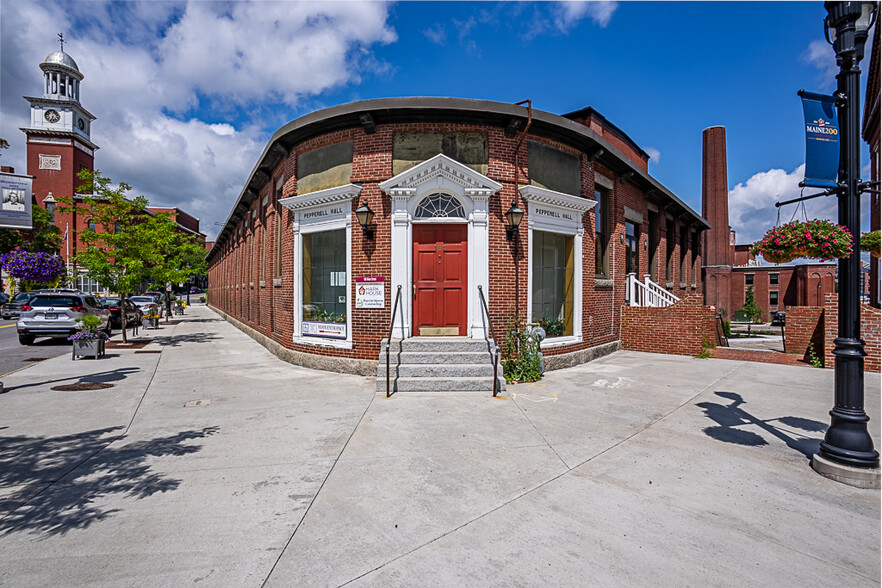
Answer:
(539, 195)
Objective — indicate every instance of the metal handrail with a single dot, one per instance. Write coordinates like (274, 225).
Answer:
(495, 343)
(389, 337)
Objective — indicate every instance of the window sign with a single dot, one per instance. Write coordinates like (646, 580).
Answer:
(370, 292)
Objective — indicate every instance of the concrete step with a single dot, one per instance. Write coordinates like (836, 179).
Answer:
(438, 344)
(433, 357)
(438, 385)
(436, 370)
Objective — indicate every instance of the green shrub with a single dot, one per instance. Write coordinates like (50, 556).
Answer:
(520, 354)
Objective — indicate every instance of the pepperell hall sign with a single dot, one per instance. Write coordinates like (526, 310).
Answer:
(821, 140)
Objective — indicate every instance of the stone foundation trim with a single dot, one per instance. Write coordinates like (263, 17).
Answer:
(341, 365)
(867, 478)
(574, 358)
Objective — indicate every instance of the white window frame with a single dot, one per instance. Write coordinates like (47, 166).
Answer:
(556, 212)
(304, 223)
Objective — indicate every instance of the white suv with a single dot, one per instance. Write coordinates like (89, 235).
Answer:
(54, 314)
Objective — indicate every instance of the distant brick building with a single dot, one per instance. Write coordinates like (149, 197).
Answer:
(293, 267)
(730, 269)
(871, 126)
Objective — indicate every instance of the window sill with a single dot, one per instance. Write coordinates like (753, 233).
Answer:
(316, 342)
(603, 283)
(553, 342)
(277, 282)
(682, 285)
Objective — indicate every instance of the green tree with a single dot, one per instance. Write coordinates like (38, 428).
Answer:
(750, 310)
(129, 245)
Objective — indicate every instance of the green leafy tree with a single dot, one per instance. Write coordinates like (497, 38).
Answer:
(751, 311)
(129, 245)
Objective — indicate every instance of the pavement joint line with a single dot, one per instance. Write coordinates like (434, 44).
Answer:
(538, 432)
(110, 441)
(550, 480)
(319, 491)
(24, 367)
(722, 522)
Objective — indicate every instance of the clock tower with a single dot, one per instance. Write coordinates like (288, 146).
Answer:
(58, 136)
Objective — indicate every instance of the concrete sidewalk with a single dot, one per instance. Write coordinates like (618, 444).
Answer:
(214, 462)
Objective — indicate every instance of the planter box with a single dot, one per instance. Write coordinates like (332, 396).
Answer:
(150, 323)
(88, 348)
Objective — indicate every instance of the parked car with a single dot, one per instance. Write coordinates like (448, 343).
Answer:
(4, 298)
(779, 318)
(54, 314)
(145, 303)
(116, 306)
(13, 308)
(195, 290)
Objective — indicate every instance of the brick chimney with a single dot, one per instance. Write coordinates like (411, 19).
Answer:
(719, 254)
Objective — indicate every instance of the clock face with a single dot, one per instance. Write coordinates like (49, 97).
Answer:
(81, 124)
(52, 115)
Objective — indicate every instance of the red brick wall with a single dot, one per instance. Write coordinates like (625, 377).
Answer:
(870, 333)
(679, 329)
(805, 326)
(269, 310)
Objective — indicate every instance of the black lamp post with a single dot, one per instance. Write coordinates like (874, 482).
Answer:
(847, 440)
(365, 217)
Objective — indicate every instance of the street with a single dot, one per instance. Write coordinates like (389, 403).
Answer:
(14, 355)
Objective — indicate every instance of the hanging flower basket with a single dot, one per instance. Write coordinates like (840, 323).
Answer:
(819, 239)
(870, 242)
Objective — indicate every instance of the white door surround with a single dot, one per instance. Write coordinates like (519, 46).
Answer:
(440, 174)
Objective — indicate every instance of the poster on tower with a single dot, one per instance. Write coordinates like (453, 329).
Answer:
(15, 201)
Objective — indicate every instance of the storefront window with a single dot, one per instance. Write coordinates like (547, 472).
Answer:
(553, 284)
(324, 284)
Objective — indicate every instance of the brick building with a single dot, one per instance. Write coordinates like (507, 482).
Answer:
(730, 269)
(871, 127)
(293, 267)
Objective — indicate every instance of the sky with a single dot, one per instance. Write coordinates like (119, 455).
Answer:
(187, 94)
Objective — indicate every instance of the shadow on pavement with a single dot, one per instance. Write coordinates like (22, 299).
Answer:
(177, 340)
(80, 472)
(730, 417)
(117, 375)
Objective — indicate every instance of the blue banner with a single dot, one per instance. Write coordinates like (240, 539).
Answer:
(821, 140)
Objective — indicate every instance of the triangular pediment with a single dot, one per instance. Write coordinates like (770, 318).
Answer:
(441, 167)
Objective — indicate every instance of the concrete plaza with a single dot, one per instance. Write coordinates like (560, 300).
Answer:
(210, 461)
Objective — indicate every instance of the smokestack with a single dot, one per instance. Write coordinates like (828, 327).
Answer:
(715, 197)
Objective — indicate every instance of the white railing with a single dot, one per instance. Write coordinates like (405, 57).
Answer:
(647, 293)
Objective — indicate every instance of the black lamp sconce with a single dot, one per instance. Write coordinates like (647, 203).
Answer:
(513, 216)
(365, 217)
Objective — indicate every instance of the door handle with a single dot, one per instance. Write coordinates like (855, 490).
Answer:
(414, 291)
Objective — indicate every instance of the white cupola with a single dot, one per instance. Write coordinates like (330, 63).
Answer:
(61, 77)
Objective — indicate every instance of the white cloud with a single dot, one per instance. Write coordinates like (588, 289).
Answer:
(223, 129)
(151, 68)
(820, 54)
(752, 209)
(568, 14)
(436, 34)
(654, 154)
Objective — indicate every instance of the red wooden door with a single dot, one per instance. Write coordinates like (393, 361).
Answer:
(440, 273)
